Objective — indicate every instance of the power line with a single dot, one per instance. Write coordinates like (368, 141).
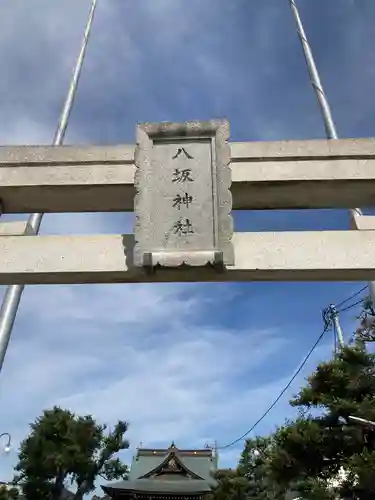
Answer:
(350, 306)
(281, 393)
(351, 297)
(327, 318)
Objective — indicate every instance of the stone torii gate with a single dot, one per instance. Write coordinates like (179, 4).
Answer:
(182, 181)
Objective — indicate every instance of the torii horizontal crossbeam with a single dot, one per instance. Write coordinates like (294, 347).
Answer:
(265, 175)
(280, 256)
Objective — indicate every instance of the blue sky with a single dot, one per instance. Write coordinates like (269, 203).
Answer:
(191, 363)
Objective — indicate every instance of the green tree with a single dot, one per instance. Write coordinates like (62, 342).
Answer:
(366, 329)
(313, 449)
(251, 479)
(8, 493)
(231, 485)
(254, 466)
(63, 448)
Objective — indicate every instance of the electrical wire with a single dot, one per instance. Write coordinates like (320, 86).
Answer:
(281, 393)
(352, 305)
(327, 325)
(351, 297)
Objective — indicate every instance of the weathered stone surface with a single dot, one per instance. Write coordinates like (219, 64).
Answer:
(362, 222)
(265, 175)
(183, 203)
(270, 256)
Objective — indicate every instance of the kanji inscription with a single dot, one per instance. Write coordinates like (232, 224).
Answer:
(182, 202)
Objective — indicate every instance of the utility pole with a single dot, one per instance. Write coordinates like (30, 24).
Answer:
(12, 297)
(216, 455)
(324, 106)
(336, 324)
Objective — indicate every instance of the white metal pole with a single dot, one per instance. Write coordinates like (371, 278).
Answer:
(314, 75)
(362, 421)
(337, 326)
(325, 109)
(13, 293)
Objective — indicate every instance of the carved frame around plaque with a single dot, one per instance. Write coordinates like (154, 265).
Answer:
(183, 201)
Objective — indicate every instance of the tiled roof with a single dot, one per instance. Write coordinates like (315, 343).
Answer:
(163, 486)
(199, 466)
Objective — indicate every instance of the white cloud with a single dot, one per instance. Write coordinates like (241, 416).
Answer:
(115, 352)
(153, 354)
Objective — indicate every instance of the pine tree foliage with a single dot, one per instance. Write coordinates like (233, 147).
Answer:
(314, 448)
(64, 449)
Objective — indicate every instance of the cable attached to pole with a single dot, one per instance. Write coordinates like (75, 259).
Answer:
(351, 297)
(350, 306)
(330, 319)
(281, 393)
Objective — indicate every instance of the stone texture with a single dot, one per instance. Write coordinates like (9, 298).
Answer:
(362, 222)
(271, 256)
(183, 203)
(292, 174)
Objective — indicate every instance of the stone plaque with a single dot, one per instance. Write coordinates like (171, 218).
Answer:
(183, 203)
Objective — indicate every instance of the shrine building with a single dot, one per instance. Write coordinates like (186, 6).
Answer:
(168, 474)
